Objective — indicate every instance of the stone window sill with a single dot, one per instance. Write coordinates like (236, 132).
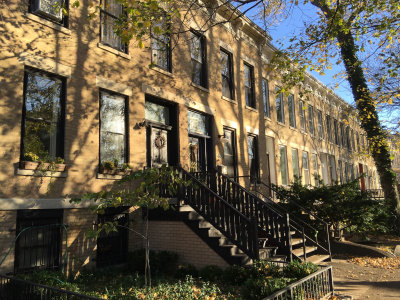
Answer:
(48, 23)
(162, 71)
(108, 176)
(228, 99)
(39, 173)
(114, 51)
(200, 87)
(251, 108)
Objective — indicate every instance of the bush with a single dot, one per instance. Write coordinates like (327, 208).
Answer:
(161, 263)
(297, 269)
(235, 275)
(211, 273)
(186, 270)
(263, 268)
(262, 287)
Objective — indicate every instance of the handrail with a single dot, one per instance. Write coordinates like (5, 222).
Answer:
(273, 224)
(324, 224)
(237, 227)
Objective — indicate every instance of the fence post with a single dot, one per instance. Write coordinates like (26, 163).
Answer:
(328, 241)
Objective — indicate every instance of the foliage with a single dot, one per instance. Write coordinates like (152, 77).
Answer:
(162, 262)
(211, 273)
(235, 275)
(30, 156)
(186, 270)
(299, 269)
(340, 205)
(261, 287)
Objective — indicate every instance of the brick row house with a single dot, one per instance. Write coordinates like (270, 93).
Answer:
(71, 90)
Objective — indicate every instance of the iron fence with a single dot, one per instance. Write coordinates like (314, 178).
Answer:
(313, 287)
(18, 289)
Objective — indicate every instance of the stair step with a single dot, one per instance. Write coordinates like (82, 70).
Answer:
(317, 258)
(185, 208)
(205, 224)
(297, 241)
(299, 252)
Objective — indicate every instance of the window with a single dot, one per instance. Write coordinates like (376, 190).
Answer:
(280, 114)
(51, 10)
(348, 144)
(336, 130)
(342, 135)
(265, 93)
(292, 115)
(227, 74)
(332, 168)
(340, 171)
(353, 146)
(161, 46)
(112, 127)
(302, 116)
(249, 86)
(283, 165)
(328, 128)
(320, 125)
(311, 120)
(43, 115)
(306, 168)
(253, 158)
(315, 168)
(358, 141)
(109, 14)
(199, 59)
(40, 246)
(295, 163)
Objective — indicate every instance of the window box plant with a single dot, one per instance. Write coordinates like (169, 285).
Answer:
(114, 168)
(33, 162)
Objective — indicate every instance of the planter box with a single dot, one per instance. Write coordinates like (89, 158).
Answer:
(34, 165)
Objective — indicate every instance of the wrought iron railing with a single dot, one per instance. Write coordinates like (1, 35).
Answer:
(316, 234)
(313, 287)
(18, 289)
(232, 223)
(271, 223)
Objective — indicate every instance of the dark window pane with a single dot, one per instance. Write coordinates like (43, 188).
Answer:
(292, 116)
(266, 98)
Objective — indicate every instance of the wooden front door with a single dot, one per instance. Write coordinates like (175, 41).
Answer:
(158, 147)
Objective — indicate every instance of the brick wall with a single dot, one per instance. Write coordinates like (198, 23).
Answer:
(8, 220)
(81, 250)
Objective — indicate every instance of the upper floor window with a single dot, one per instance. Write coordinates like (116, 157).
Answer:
(302, 116)
(112, 127)
(336, 129)
(265, 94)
(199, 59)
(280, 113)
(348, 143)
(329, 134)
(342, 135)
(292, 115)
(311, 120)
(306, 168)
(53, 10)
(283, 164)
(161, 45)
(227, 74)
(320, 125)
(353, 146)
(249, 85)
(43, 115)
(314, 162)
(110, 12)
(358, 141)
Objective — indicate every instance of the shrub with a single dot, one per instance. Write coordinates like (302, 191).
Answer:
(211, 273)
(261, 287)
(298, 269)
(235, 275)
(186, 270)
(263, 268)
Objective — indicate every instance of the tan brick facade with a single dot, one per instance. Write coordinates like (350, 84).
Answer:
(76, 54)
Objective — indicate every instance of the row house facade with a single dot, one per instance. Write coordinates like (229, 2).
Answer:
(73, 92)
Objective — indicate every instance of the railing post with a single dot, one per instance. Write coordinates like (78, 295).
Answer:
(304, 245)
(254, 239)
(289, 237)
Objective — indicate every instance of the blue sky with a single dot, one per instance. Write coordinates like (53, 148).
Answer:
(292, 25)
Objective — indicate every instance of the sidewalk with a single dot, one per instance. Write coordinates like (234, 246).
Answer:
(365, 282)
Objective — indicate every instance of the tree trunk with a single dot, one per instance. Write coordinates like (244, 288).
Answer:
(369, 118)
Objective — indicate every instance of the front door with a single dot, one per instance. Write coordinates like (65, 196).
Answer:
(230, 153)
(158, 147)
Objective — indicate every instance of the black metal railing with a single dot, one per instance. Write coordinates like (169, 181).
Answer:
(231, 222)
(376, 194)
(313, 287)
(18, 289)
(317, 234)
(271, 223)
